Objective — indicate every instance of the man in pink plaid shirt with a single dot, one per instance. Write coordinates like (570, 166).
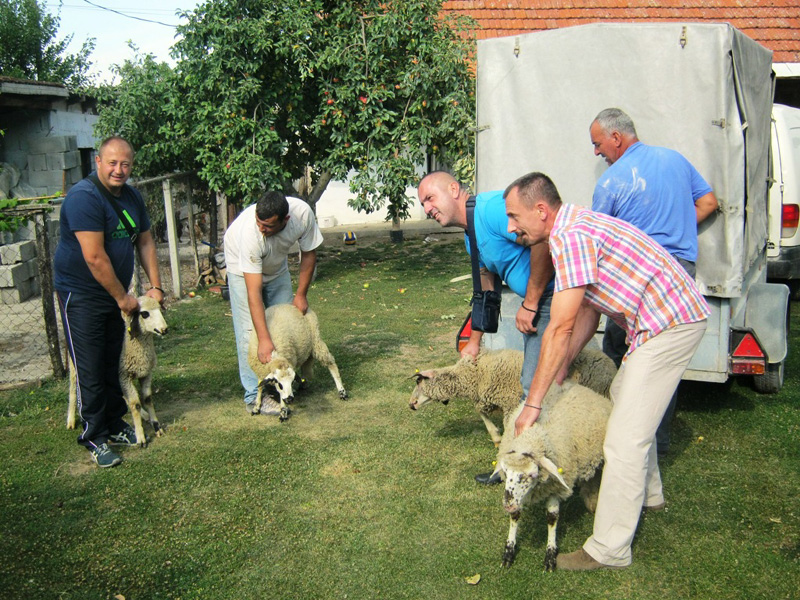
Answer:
(605, 265)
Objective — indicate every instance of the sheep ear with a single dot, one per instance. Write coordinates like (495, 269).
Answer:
(549, 466)
(135, 328)
(419, 376)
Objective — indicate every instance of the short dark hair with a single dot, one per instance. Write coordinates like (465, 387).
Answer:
(535, 186)
(272, 204)
(114, 138)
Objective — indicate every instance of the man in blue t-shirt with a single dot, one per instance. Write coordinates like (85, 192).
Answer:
(93, 267)
(444, 199)
(660, 192)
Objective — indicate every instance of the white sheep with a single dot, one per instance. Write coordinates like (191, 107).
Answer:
(564, 448)
(297, 342)
(594, 369)
(492, 382)
(137, 361)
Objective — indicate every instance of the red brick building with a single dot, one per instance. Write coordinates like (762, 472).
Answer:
(773, 23)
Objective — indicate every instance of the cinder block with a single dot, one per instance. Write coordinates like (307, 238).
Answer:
(18, 252)
(13, 275)
(74, 175)
(51, 180)
(56, 143)
(17, 294)
(63, 160)
(37, 162)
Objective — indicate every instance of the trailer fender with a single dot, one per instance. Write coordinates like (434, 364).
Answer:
(766, 314)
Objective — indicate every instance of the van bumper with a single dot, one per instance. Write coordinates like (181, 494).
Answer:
(786, 265)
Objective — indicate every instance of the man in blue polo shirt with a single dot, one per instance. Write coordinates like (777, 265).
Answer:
(444, 199)
(93, 267)
(660, 192)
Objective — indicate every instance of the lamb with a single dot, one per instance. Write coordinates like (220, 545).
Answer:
(297, 342)
(564, 448)
(492, 382)
(594, 369)
(137, 361)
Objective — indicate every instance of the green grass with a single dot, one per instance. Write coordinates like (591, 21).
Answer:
(365, 498)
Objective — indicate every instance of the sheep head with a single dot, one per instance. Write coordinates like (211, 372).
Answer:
(281, 377)
(442, 385)
(523, 472)
(149, 319)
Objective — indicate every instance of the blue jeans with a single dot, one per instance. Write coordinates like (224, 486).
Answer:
(277, 291)
(533, 343)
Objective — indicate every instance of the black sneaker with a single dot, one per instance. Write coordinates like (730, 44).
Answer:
(126, 437)
(105, 456)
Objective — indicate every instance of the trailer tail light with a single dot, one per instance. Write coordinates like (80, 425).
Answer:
(790, 216)
(747, 357)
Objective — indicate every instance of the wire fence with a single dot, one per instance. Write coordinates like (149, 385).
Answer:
(31, 336)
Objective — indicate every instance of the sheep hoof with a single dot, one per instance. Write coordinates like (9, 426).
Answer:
(285, 414)
(509, 555)
(159, 429)
(551, 554)
(343, 394)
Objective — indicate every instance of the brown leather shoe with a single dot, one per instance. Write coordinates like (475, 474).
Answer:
(580, 560)
(655, 507)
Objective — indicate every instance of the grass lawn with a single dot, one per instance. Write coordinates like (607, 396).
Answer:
(365, 498)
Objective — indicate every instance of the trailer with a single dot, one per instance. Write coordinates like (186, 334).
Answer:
(704, 90)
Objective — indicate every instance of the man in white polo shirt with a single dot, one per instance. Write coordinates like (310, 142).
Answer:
(257, 245)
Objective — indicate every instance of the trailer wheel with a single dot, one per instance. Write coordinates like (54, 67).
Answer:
(770, 382)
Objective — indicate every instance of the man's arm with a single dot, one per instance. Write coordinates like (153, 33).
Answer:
(94, 253)
(255, 303)
(704, 206)
(554, 351)
(149, 259)
(541, 273)
(308, 260)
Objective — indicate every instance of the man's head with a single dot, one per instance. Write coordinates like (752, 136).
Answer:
(272, 213)
(532, 202)
(612, 133)
(440, 196)
(114, 163)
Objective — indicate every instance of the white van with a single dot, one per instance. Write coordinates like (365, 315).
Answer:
(783, 244)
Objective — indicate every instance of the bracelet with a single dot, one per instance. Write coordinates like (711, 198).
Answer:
(532, 406)
(155, 287)
(533, 310)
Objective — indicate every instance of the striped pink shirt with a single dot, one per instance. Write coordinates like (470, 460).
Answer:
(628, 276)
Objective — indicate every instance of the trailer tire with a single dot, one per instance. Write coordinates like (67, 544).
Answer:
(771, 381)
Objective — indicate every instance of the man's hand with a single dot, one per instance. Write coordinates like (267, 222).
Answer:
(265, 350)
(526, 419)
(471, 350)
(525, 321)
(128, 304)
(156, 295)
(301, 302)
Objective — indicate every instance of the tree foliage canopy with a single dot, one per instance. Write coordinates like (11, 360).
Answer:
(29, 48)
(264, 90)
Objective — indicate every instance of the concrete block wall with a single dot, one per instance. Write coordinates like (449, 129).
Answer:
(53, 163)
(18, 272)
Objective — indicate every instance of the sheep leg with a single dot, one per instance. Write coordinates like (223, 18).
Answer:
(494, 431)
(325, 358)
(590, 491)
(135, 406)
(510, 551)
(551, 553)
(285, 411)
(257, 404)
(147, 402)
(73, 395)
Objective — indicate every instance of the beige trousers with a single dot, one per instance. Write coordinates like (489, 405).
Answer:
(641, 392)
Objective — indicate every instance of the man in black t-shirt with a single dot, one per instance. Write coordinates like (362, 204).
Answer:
(93, 267)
